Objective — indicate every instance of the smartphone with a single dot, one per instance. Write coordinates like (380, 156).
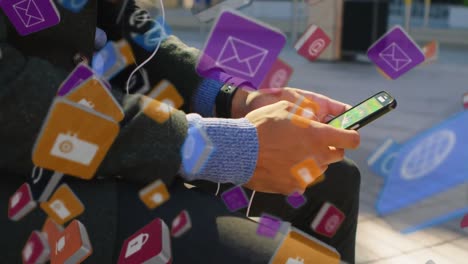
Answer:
(206, 10)
(365, 112)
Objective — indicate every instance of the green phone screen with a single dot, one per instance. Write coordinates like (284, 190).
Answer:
(359, 112)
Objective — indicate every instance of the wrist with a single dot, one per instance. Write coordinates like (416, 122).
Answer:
(238, 108)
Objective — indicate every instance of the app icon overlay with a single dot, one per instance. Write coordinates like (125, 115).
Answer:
(72, 245)
(268, 226)
(296, 200)
(21, 203)
(74, 6)
(278, 76)
(240, 47)
(306, 172)
(74, 139)
(36, 249)
(167, 93)
(30, 16)
(181, 224)
(154, 194)
(63, 206)
(299, 247)
(381, 160)
(235, 198)
(395, 53)
(328, 220)
(150, 244)
(196, 150)
(312, 43)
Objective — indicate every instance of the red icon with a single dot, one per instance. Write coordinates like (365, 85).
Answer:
(465, 101)
(181, 224)
(72, 245)
(150, 244)
(312, 43)
(328, 220)
(278, 76)
(464, 222)
(21, 203)
(36, 249)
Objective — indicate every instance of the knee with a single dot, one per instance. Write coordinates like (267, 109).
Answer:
(349, 175)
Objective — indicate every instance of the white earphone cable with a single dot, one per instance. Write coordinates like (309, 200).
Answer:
(250, 204)
(163, 13)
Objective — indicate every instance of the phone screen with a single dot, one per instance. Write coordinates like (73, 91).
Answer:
(361, 111)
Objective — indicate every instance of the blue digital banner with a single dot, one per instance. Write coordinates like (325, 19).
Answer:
(431, 162)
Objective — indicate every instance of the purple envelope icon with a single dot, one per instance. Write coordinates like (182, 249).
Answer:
(395, 53)
(241, 48)
(29, 16)
(241, 57)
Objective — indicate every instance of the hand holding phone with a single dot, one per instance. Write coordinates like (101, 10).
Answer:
(365, 112)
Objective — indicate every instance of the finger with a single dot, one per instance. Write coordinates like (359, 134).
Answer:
(336, 137)
(331, 155)
(304, 120)
(271, 90)
(331, 106)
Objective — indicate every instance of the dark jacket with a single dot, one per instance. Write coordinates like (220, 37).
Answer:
(31, 70)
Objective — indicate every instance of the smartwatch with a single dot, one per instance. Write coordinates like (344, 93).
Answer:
(224, 100)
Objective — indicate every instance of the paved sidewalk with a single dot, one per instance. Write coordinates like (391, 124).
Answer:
(426, 96)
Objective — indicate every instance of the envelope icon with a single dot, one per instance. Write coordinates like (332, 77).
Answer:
(241, 57)
(29, 13)
(394, 56)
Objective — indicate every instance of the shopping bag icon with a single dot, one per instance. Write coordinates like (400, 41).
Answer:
(136, 244)
(241, 56)
(63, 206)
(395, 57)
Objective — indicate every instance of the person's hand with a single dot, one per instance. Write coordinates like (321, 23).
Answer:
(283, 145)
(244, 102)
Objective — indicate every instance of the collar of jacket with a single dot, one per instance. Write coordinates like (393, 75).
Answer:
(72, 37)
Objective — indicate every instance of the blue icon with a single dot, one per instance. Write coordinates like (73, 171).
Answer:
(196, 150)
(381, 161)
(107, 62)
(73, 5)
(430, 163)
(150, 39)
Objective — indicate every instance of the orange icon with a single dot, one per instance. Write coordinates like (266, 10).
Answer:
(154, 194)
(93, 94)
(74, 139)
(156, 110)
(306, 172)
(51, 230)
(72, 246)
(166, 92)
(126, 51)
(63, 206)
(304, 111)
(431, 51)
(298, 247)
(383, 74)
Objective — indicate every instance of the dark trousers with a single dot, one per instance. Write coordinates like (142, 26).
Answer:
(114, 212)
(340, 187)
